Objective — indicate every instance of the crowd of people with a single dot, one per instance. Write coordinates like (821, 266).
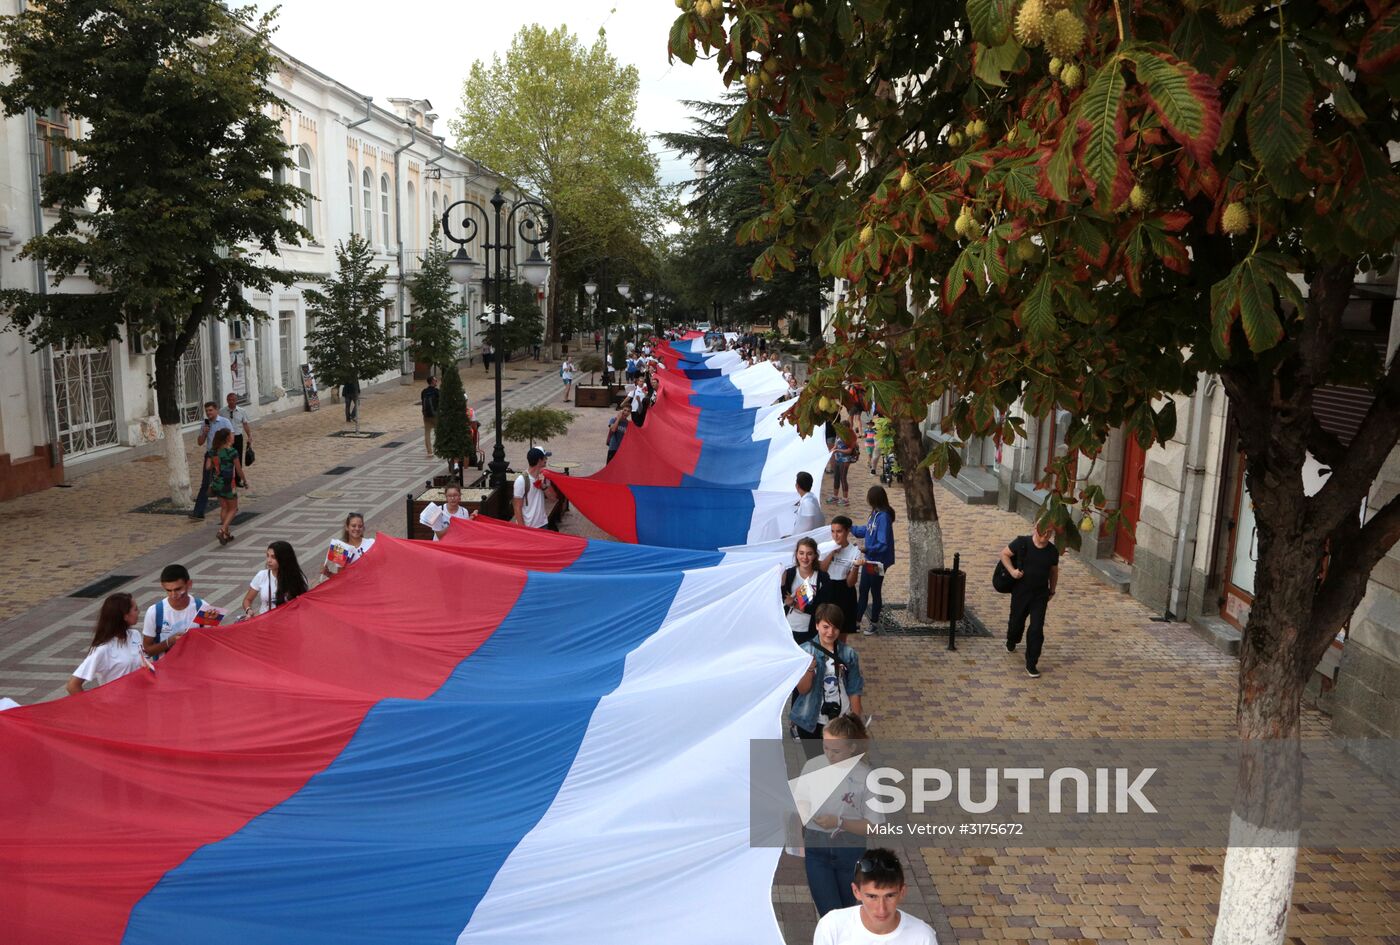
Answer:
(825, 597)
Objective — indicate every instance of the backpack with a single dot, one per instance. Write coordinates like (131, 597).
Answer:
(160, 618)
(1002, 581)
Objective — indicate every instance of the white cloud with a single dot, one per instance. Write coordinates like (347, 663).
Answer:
(422, 49)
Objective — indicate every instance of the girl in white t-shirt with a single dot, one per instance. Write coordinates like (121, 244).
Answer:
(116, 645)
(835, 832)
(566, 372)
(279, 583)
(803, 587)
(354, 542)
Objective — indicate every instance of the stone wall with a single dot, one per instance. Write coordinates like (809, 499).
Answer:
(1367, 702)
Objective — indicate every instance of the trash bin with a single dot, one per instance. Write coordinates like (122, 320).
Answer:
(947, 597)
(947, 590)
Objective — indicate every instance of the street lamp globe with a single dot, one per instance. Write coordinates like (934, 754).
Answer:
(535, 269)
(624, 289)
(462, 267)
(591, 288)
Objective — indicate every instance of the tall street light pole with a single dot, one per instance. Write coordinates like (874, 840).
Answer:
(591, 287)
(527, 221)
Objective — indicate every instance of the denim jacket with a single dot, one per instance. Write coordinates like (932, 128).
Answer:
(879, 537)
(807, 707)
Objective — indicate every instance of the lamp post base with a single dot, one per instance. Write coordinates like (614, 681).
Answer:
(498, 467)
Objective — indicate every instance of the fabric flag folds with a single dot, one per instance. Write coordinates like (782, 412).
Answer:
(488, 759)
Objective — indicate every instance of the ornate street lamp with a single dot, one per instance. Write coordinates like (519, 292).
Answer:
(526, 221)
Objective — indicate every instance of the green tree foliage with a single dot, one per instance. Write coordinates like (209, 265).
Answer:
(349, 340)
(559, 117)
(526, 325)
(178, 162)
(719, 261)
(590, 362)
(1112, 199)
(452, 438)
(619, 354)
(433, 337)
(528, 424)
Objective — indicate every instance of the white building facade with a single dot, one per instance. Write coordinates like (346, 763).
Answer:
(376, 171)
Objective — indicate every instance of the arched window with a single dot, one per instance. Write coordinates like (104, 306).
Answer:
(412, 209)
(384, 206)
(433, 222)
(367, 203)
(307, 213)
(350, 191)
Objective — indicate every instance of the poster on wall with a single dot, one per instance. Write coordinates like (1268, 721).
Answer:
(238, 372)
(308, 389)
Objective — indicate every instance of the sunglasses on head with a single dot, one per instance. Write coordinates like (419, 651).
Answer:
(876, 864)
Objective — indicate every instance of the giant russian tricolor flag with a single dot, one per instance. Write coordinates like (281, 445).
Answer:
(430, 748)
(542, 550)
(698, 517)
(714, 464)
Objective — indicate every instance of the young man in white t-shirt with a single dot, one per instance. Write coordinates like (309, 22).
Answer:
(533, 493)
(167, 621)
(877, 920)
(809, 507)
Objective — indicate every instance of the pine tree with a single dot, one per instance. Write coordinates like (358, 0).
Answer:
(452, 439)
(350, 340)
(433, 337)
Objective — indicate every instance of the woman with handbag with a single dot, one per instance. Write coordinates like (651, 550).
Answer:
(803, 588)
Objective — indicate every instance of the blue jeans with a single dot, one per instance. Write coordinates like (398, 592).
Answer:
(202, 500)
(871, 586)
(830, 871)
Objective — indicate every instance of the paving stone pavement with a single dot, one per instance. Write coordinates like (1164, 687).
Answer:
(40, 647)
(1109, 671)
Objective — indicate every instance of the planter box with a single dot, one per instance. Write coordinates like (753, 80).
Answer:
(592, 395)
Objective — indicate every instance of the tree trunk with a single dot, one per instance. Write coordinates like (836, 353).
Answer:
(925, 534)
(815, 340)
(177, 467)
(1257, 885)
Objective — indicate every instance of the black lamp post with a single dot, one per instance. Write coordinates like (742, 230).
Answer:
(529, 220)
(624, 289)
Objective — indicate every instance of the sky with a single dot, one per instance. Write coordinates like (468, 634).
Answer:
(425, 48)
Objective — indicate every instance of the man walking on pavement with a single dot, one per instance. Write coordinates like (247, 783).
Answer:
(242, 433)
(428, 399)
(212, 424)
(1034, 562)
(350, 394)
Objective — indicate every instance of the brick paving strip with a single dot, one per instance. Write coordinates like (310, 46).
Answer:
(40, 647)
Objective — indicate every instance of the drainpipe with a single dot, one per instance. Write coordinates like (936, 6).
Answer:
(405, 368)
(46, 382)
(369, 113)
(1197, 441)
